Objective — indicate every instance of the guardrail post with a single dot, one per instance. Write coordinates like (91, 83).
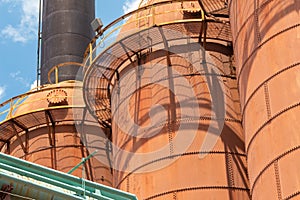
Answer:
(91, 53)
(153, 15)
(11, 108)
(56, 74)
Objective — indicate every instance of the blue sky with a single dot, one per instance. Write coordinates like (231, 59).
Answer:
(18, 40)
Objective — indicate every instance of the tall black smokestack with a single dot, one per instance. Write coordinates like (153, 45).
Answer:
(66, 34)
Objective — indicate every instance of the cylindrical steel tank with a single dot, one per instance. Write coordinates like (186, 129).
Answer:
(176, 126)
(165, 161)
(266, 36)
(65, 36)
(52, 127)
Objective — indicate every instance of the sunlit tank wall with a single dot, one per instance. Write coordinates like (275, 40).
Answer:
(65, 36)
(60, 145)
(266, 41)
(221, 174)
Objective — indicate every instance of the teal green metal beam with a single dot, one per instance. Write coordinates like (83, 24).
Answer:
(82, 162)
(55, 194)
(78, 190)
(65, 181)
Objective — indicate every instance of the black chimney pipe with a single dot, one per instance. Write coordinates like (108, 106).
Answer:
(66, 33)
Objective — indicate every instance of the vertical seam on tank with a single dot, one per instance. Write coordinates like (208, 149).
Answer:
(267, 122)
(270, 164)
(255, 49)
(127, 184)
(278, 185)
(256, 23)
(259, 86)
(249, 17)
(267, 99)
(171, 147)
(230, 169)
(175, 196)
(261, 45)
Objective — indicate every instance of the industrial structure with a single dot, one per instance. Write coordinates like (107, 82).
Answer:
(178, 99)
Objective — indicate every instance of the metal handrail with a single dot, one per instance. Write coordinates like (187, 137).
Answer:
(10, 106)
(56, 67)
(111, 30)
(120, 22)
(114, 33)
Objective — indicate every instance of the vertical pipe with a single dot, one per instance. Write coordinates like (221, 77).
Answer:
(265, 45)
(66, 34)
(38, 64)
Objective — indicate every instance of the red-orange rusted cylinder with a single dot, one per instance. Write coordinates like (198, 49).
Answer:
(58, 135)
(176, 174)
(266, 37)
(221, 174)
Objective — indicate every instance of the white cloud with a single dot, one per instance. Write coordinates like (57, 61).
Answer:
(2, 91)
(130, 5)
(15, 74)
(27, 27)
(34, 85)
(17, 77)
(24, 81)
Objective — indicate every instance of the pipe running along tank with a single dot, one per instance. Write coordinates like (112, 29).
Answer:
(176, 129)
(266, 37)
